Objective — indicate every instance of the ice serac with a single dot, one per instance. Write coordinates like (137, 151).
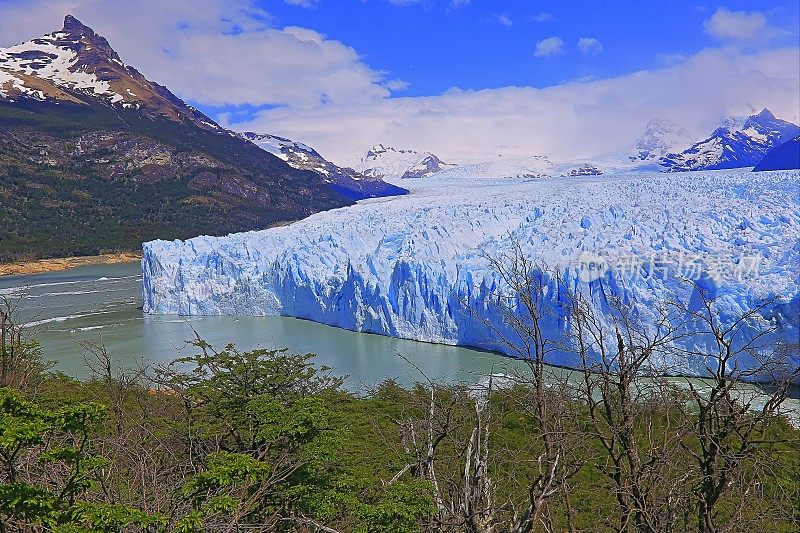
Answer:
(416, 266)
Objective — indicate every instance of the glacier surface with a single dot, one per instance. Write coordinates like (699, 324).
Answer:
(416, 266)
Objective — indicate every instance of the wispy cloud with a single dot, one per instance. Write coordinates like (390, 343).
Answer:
(395, 84)
(542, 17)
(308, 4)
(446, 4)
(589, 46)
(503, 19)
(549, 47)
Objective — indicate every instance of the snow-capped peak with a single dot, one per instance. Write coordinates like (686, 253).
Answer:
(282, 147)
(346, 181)
(661, 137)
(735, 144)
(76, 65)
(379, 149)
(387, 162)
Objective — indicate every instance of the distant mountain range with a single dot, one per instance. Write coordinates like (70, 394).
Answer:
(94, 157)
(736, 144)
(664, 145)
(346, 181)
(660, 138)
(386, 162)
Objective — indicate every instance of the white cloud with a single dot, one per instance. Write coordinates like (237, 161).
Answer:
(504, 19)
(396, 84)
(542, 17)
(549, 47)
(308, 4)
(213, 51)
(589, 45)
(228, 51)
(578, 119)
(729, 25)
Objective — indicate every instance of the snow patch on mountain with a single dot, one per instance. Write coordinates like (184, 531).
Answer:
(347, 181)
(415, 266)
(661, 137)
(53, 57)
(297, 154)
(735, 144)
(392, 164)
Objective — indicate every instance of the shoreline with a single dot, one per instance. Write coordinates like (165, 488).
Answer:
(39, 266)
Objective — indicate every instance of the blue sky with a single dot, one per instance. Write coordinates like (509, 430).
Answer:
(490, 44)
(466, 79)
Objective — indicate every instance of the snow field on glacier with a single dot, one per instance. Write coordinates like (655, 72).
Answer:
(416, 266)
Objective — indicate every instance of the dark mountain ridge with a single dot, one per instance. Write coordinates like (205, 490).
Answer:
(734, 145)
(783, 157)
(95, 158)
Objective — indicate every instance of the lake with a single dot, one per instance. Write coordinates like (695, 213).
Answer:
(102, 304)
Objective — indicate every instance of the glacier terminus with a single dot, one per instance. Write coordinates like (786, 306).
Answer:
(418, 266)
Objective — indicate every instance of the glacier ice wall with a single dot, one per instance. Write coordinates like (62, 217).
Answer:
(416, 266)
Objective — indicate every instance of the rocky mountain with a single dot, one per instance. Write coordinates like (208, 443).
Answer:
(94, 157)
(661, 137)
(346, 181)
(734, 145)
(783, 157)
(75, 65)
(386, 162)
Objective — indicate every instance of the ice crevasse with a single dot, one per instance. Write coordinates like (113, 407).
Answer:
(417, 266)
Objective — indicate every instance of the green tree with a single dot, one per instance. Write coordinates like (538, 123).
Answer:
(48, 470)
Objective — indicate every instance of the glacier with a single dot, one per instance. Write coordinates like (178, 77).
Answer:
(417, 266)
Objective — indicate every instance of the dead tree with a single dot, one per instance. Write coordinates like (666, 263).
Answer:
(21, 365)
(463, 496)
(624, 389)
(521, 303)
(734, 420)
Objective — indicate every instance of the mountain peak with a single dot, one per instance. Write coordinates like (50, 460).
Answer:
(766, 114)
(735, 144)
(74, 26)
(661, 137)
(90, 47)
(78, 66)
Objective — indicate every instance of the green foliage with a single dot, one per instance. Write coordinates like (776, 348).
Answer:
(109, 518)
(266, 411)
(265, 437)
(73, 181)
(36, 443)
(400, 510)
